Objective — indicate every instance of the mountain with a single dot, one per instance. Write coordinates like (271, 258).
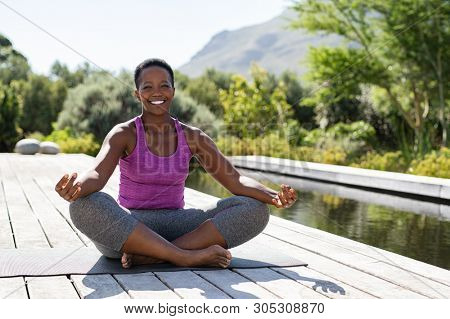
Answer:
(270, 44)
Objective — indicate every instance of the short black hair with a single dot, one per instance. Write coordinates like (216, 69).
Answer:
(153, 62)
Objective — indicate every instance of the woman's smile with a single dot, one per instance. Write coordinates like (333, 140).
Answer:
(157, 102)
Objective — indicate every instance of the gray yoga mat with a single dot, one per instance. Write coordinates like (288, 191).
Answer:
(62, 261)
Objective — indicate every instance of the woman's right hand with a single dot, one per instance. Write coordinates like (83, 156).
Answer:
(66, 188)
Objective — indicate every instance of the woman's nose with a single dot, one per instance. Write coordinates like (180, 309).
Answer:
(156, 91)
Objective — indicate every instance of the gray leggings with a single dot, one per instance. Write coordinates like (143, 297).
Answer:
(108, 224)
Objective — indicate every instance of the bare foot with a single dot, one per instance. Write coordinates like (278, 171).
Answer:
(129, 260)
(215, 256)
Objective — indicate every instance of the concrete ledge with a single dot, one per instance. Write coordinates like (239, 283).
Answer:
(406, 183)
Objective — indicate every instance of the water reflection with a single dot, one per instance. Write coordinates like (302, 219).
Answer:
(406, 226)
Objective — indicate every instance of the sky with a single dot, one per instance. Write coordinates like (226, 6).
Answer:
(112, 34)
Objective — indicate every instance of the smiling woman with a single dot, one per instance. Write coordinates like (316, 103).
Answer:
(148, 223)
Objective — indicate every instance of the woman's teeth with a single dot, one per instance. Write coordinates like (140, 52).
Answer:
(156, 102)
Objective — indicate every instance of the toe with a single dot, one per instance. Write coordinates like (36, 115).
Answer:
(126, 261)
(228, 254)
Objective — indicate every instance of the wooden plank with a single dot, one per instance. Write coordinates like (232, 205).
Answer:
(13, 288)
(321, 283)
(58, 231)
(190, 286)
(60, 204)
(426, 270)
(361, 262)
(68, 164)
(57, 287)
(6, 234)
(98, 287)
(370, 284)
(279, 284)
(145, 286)
(235, 285)
(27, 231)
(47, 183)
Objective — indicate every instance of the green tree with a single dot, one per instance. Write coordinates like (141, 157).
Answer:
(205, 89)
(304, 114)
(13, 65)
(41, 102)
(398, 47)
(98, 104)
(256, 108)
(187, 110)
(61, 71)
(181, 80)
(9, 117)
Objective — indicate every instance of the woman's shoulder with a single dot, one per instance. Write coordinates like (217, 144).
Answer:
(127, 132)
(125, 129)
(191, 134)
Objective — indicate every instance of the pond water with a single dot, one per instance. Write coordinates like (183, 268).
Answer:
(406, 226)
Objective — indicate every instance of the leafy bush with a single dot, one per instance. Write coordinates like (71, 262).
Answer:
(186, 109)
(334, 155)
(69, 142)
(99, 103)
(354, 132)
(275, 145)
(296, 134)
(36, 135)
(352, 139)
(41, 102)
(205, 89)
(252, 109)
(390, 161)
(271, 144)
(436, 164)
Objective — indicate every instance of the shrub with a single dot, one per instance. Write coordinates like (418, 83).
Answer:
(436, 164)
(41, 102)
(99, 103)
(69, 143)
(275, 145)
(335, 155)
(272, 144)
(187, 110)
(390, 161)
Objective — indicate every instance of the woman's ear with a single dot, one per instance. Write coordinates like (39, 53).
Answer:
(136, 94)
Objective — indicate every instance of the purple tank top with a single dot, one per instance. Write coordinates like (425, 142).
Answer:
(148, 181)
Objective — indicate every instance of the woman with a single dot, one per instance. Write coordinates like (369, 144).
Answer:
(148, 223)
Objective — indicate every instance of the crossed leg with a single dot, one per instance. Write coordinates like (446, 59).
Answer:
(183, 236)
(204, 236)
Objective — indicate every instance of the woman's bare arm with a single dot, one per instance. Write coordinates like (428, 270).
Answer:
(218, 166)
(96, 178)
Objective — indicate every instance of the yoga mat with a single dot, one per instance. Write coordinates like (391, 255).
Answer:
(81, 261)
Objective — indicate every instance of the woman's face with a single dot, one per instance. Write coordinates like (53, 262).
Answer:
(155, 90)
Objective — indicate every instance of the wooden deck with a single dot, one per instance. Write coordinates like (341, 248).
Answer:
(33, 215)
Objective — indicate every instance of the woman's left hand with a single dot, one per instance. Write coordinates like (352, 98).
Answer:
(285, 198)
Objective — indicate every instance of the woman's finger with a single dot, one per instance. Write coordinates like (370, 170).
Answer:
(276, 201)
(61, 182)
(290, 193)
(283, 198)
(72, 192)
(294, 194)
(67, 187)
(75, 195)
